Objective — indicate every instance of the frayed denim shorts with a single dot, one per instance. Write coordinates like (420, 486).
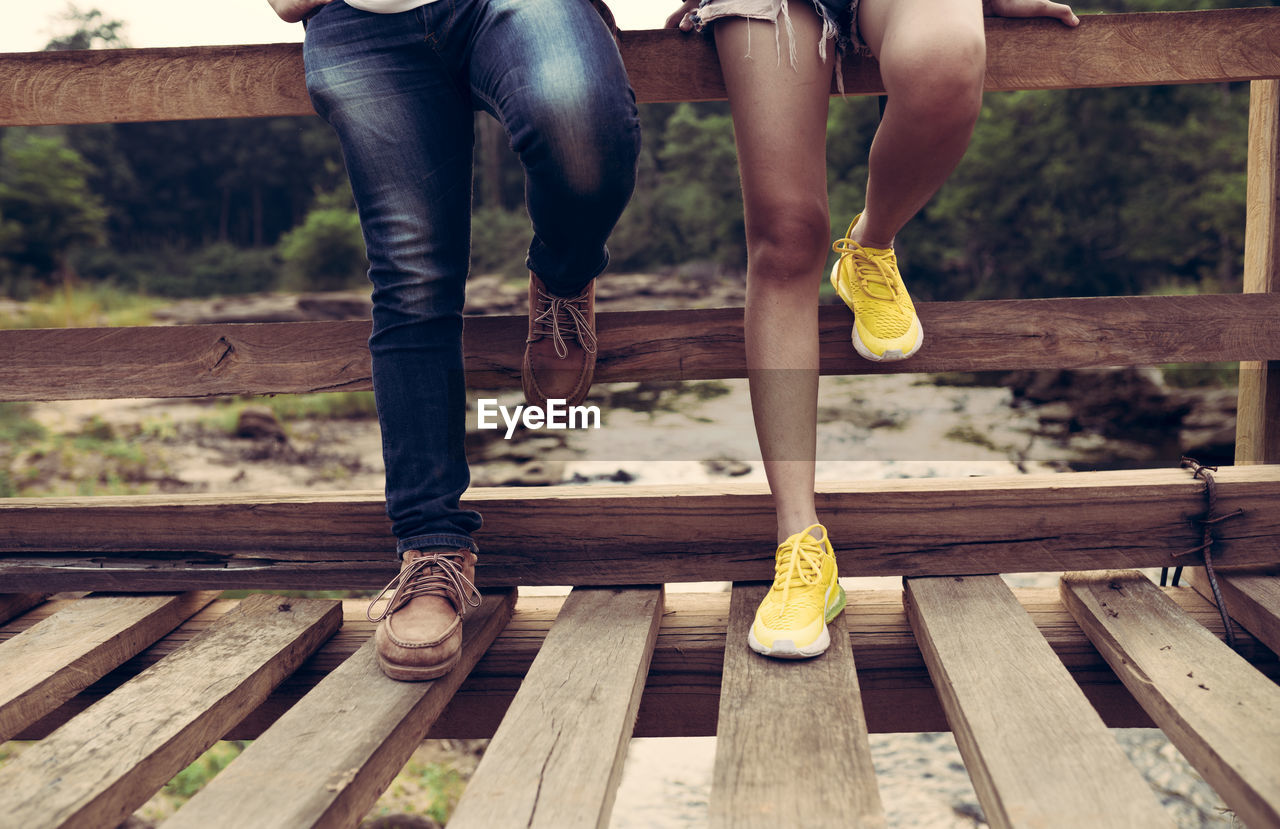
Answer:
(839, 18)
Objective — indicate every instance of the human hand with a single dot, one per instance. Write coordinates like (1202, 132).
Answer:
(679, 19)
(1030, 8)
(291, 11)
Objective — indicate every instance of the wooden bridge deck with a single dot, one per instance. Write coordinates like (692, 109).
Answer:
(155, 679)
(123, 689)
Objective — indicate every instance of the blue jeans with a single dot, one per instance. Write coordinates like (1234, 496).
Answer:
(400, 90)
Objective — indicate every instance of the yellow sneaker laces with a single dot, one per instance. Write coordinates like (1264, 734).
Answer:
(799, 561)
(870, 269)
(573, 322)
(436, 574)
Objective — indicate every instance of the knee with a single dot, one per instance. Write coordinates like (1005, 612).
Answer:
(941, 80)
(587, 138)
(787, 239)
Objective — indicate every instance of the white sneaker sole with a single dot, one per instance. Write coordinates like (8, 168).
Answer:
(859, 346)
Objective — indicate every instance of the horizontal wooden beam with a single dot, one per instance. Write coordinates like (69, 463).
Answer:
(117, 85)
(297, 357)
(682, 691)
(641, 534)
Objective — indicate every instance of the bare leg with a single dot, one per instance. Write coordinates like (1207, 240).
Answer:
(932, 57)
(780, 117)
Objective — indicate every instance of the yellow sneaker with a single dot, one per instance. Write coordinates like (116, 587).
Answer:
(885, 325)
(791, 622)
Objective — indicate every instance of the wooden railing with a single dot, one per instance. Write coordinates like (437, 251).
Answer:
(916, 663)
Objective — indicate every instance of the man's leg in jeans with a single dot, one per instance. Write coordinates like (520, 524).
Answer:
(405, 127)
(550, 71)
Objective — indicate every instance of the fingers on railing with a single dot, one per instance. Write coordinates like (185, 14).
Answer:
(100, 766)
(1221, 713)
(1037, 751)
(556, 759)
(61, 655)
(791, 743)
(336, 750)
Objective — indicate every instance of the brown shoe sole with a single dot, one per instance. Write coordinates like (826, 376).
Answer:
(407, 673)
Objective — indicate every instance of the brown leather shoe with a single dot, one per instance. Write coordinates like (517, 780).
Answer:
(560, 353)
(419, 634)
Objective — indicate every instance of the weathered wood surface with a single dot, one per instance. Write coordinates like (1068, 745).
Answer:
(1221, 714)
(791, 744)
(556, 759)
(246, 81)
(98, 768)
(683, 687)
(1036, 750)
(1258, 410)
(1252, 599)
(298, 357)
(332, 755)
(15, 604)
(59, 657)
(640, 535)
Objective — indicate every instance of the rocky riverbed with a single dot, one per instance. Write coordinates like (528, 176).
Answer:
(870, 427)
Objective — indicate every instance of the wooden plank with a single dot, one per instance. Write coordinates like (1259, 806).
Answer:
(98, 768)
(556, 760)
(640, 534)
(299, 357)
(791, 744)
(1252, 599)
(1258, 410)
(683, 687)
(116, 85)
(336, 750)
(15, 604)
(1013, 707)
(59, 657)
(1221, 714)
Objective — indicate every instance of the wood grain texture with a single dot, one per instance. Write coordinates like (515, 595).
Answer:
(638, 534)
(1258, 409)
(1252, 599)
(98, 768)
(1221, 714)
(105, 86)
(791, 744)
(50, 663)
(300, 357)
(338, 749)
(683, 687)
(1022, 724)
(556, 760)
(15, 604)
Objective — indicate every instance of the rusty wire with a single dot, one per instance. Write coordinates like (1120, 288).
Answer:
(1206, 544)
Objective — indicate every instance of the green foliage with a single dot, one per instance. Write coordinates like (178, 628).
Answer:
(85, 305)
(17, 430)
(92, 31)
(1089, 192)
(46, 209)
(194, 777)
(500, 241)
(326, 253)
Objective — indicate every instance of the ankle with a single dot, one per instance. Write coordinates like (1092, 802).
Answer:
(863, 234)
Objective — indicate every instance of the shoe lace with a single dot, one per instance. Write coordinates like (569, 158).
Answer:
(435, 574)
(560, 317)
(799, 561)
(871, 269)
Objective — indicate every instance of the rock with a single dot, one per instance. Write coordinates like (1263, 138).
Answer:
(726, 466)
(260, 423)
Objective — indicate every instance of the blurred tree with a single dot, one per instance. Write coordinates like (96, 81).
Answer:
(326, 252)
(46, 209)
